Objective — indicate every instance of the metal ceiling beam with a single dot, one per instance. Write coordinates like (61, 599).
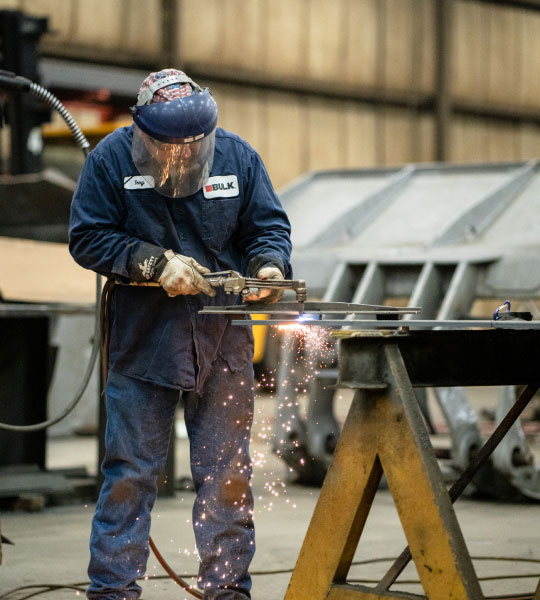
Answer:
(523, 4)
(61, 72)
(58, 74)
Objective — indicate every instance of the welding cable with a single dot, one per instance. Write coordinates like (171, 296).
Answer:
(15, 83)
(105, 306)
(48, 587)
(43, 94)
(171, 573)
(80, 586)
(82, 386)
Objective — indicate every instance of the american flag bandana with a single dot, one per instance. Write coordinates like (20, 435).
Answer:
(170, 92)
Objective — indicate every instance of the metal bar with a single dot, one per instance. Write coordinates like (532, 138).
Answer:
(439, 549)
(513, 457)
(444, 358)
(359, 592)
(466, 477)
(353, 222)
(522, 4)
(461, 419)
(443, 103)
(341, 284)
(504, 113)
(479, 217)
(286, 308)
(39, 310)
(83, 68)
(461, 292)
(371, 286)
(427, 292)
(393, 324)
(331, 539)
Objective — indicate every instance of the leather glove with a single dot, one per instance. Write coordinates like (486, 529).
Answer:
(183, 275)
(266, 296)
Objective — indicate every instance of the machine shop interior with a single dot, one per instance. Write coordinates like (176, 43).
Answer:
(403, 140)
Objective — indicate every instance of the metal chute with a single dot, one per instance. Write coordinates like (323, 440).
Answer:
(438, 236)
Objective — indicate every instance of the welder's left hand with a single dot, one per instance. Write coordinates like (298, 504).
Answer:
(263, 296)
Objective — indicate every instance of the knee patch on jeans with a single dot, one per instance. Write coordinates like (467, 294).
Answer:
(122, 491)
(235, 490)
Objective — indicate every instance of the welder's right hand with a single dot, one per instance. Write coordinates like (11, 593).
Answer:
(183, 275)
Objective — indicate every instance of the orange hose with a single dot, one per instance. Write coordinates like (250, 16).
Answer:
(171, 573)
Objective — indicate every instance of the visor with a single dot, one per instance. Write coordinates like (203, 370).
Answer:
(178, 121)
(178, 169)
(173, 142)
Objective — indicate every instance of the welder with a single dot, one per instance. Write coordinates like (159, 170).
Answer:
(167, 200)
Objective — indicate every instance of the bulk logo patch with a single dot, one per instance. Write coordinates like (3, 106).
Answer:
(138, 182)
(223, 186)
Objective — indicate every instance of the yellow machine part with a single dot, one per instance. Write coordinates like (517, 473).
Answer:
(259, 333)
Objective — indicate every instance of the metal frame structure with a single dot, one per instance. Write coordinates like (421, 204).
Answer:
(443, 261)
(386, 433)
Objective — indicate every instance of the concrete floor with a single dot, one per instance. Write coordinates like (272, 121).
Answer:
(52, 545)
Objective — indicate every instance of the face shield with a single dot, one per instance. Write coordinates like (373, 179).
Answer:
(173, 143)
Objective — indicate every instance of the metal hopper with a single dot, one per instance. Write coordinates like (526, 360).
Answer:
(437, 236)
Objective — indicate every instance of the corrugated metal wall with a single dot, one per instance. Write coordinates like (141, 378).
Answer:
(359, 48)
(369, 43)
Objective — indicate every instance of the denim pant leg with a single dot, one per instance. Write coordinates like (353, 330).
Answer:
(139, 420)
(219, 425)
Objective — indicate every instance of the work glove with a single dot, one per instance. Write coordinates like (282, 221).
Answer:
(183, 275)
(263, 296)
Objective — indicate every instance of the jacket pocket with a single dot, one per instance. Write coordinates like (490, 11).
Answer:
(146, 216)
(219, 221)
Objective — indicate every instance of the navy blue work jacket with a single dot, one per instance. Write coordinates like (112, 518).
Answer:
(234, 222)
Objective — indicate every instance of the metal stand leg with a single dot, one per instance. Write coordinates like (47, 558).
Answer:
(384, 431)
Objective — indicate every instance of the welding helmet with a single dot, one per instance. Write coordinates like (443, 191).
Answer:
(174, 133)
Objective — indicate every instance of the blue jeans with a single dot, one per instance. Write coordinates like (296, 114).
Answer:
(140, 416)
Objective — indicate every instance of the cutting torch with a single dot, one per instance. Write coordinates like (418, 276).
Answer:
(234, 283)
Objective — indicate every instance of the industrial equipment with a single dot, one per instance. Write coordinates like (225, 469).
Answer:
(443, 237)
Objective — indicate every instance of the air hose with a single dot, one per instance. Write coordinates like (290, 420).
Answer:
(15, 83)
(46, 96)
(82, 386)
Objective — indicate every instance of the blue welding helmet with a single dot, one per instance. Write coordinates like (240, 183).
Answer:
(173, 142)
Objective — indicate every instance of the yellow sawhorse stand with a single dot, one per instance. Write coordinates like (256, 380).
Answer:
(385, 433)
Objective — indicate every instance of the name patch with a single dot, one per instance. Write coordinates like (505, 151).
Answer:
(222, 186)
(138, 182)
